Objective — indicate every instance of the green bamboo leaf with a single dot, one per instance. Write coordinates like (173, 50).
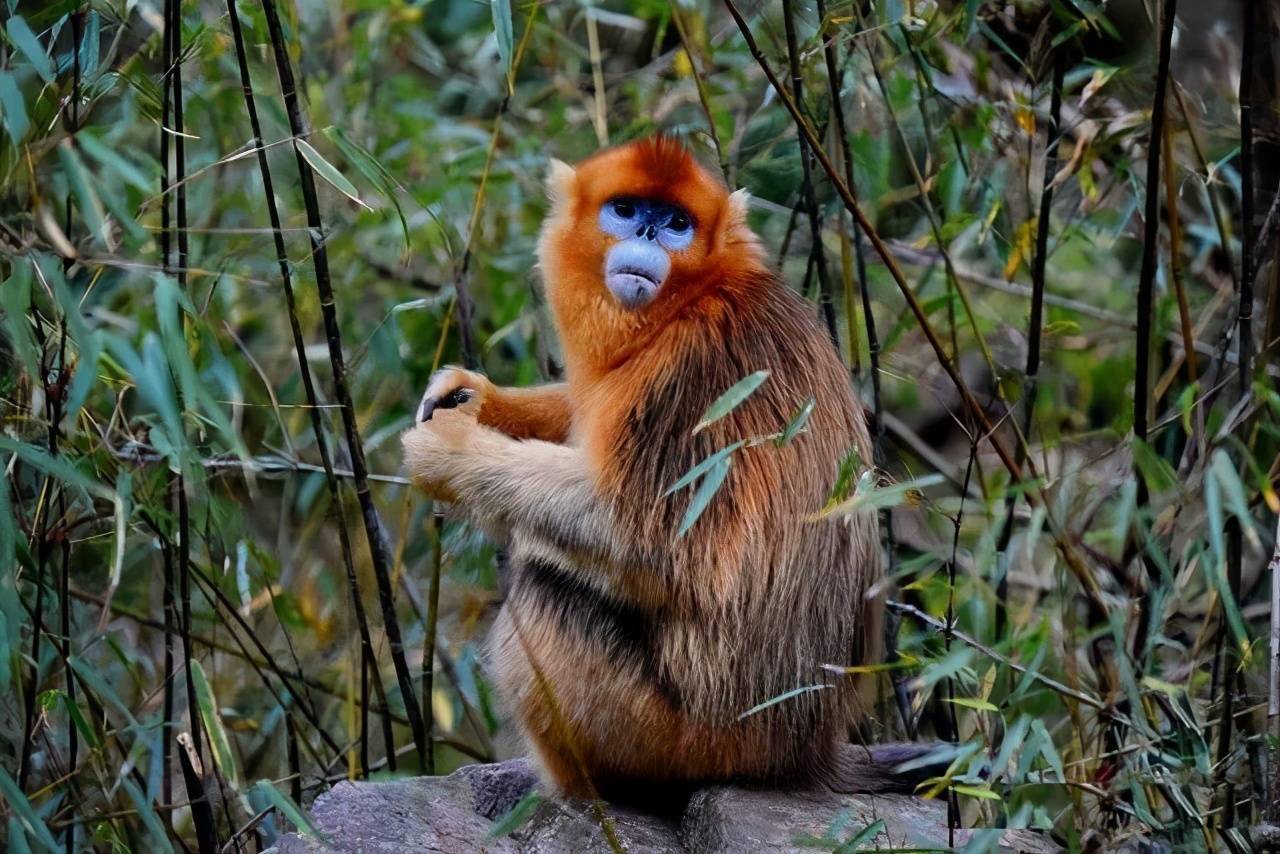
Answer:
(291, 811)
(782, 698)
(862, 837)
(517, 816)
(17, 837)
(15, 301)
(59, 468)
(730, 400)
(798, 421)
(92, 677)
(373, 171)
(1011, 743)
(329, 172)
(155, 829)
(78, 720)
(703, 467)
(13, 108)
(1047, 750)
(25, 813)
(89, 45)
(113, 160)
(29, 46)
(505, 33)
(81, 183)
(209, 713)
(707, 490)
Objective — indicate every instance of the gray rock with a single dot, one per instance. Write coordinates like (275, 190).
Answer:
(457, 813)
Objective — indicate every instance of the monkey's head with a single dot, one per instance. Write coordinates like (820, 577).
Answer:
(634, 233)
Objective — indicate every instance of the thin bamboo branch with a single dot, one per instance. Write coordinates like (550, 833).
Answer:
(378, 553)
(1035, 325)
(309, 390)
(1151, 228)
(808, 191)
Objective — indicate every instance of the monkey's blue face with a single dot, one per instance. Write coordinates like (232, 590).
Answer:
(648, 231)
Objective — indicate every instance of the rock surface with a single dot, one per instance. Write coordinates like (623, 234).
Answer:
(459, 813)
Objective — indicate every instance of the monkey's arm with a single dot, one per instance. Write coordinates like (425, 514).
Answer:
(543, 412)
(539, 488)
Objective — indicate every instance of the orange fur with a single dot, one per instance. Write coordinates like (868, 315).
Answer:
(652, 645)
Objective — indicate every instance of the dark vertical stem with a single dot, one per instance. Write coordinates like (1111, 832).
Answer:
(429, 647)
(1035, 325)
(1248, 232)
(174, 30)
(1235, 539)
(37, 629)
(313, 408)
(184, 593)
(1151, 227)
(807, 190)
(295, 761)
(64, 596)
(859, 250)
(168, 730)
(953, 805)
(373, 528)
(170, 629)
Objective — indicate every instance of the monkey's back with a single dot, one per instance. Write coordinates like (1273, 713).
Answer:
(653, 668)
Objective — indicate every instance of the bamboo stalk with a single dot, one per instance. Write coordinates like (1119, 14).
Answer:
(808, 191)
(1035, 325)
(891, 264)
(313, 408)
(373, 528)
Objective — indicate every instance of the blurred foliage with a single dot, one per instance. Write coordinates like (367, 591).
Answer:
(126, 380)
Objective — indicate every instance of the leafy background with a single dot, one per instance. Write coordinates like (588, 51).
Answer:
(194, 463)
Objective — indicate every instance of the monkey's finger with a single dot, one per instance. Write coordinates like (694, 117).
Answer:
(452, 400)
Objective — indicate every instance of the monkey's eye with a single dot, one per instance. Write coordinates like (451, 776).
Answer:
(624, 208)
(679, 222)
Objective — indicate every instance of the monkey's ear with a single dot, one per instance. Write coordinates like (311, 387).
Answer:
(560, 182)
(733, 230)
(736, 215)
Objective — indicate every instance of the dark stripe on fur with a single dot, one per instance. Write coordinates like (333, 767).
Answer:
(623, 632)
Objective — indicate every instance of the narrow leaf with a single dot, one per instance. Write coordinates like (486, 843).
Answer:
(288, 808)
(516, 817)
(213, 725)
(504, 31)
(730, 400)
(329, 172)
(21, 807)
(707, 490)
(798, 421)
(703, 467)
(13, 108)
(27, 43)
(781, 698)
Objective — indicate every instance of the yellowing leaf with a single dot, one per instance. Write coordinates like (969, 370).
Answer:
(976, 792)
(1025, 119)
(973, 703)
(1021, 249)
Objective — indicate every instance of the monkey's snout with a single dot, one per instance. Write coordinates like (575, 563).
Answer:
(452, 400)
(634, 271)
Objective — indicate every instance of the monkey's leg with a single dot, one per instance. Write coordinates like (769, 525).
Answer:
(600, 724)
(543, 412)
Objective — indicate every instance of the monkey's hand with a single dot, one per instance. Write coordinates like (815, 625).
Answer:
(439, 451)
(451, 387)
